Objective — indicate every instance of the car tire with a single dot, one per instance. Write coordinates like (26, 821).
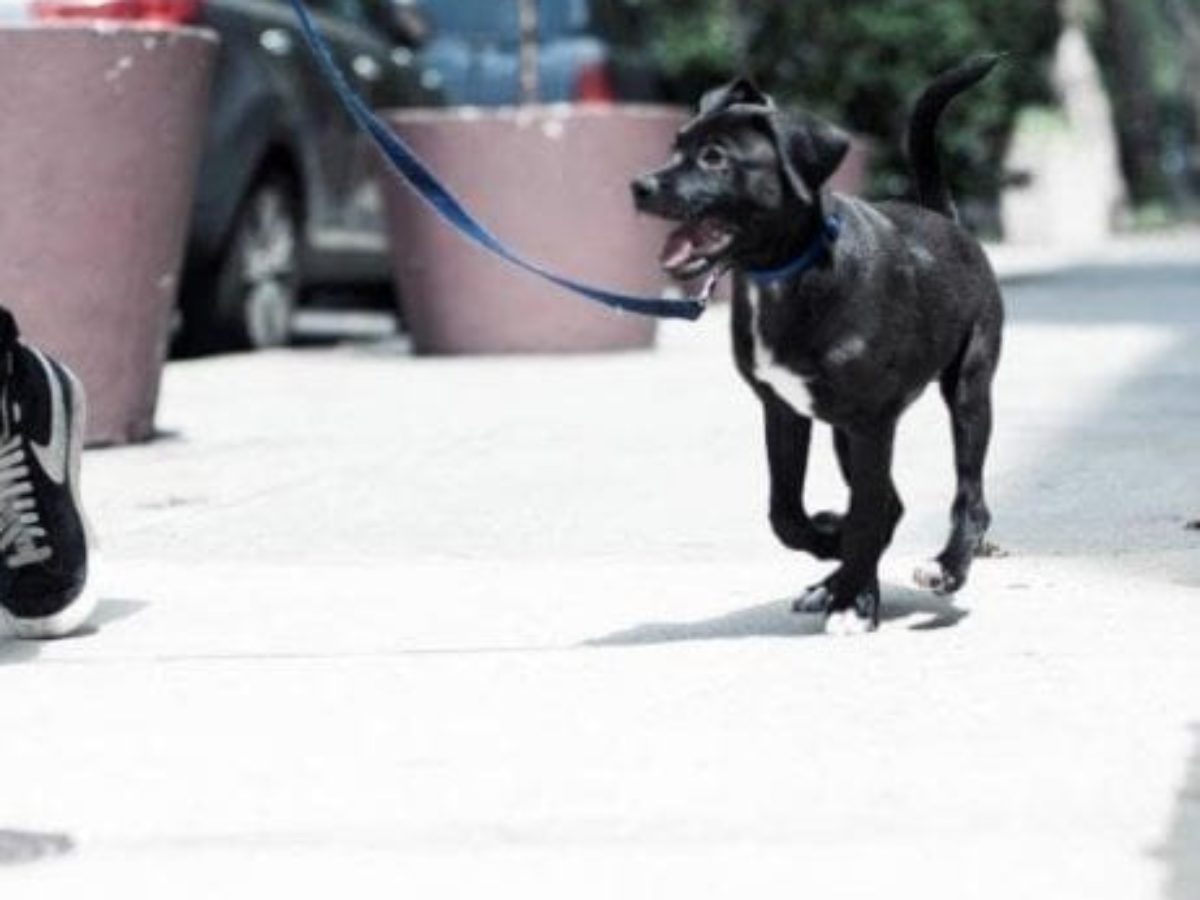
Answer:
(248, 299)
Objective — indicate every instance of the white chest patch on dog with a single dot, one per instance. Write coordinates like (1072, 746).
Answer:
(787, 385)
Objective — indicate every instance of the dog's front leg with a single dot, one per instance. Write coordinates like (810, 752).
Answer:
(851, 594)
(788, 438)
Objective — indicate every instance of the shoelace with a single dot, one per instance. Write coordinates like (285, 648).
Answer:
(21, 531)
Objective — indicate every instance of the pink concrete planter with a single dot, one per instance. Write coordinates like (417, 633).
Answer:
(553, 182)
(98, 154)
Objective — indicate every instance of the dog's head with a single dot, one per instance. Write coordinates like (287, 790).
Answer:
(744, 176)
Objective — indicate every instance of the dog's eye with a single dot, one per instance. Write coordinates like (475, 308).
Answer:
(712, 156)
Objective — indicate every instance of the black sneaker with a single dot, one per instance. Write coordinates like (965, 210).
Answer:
(43, 540)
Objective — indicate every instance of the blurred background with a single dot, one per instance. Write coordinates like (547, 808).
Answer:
(861, 62)
(1090, 128)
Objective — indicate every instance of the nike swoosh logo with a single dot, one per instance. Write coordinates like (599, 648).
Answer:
(53, 455)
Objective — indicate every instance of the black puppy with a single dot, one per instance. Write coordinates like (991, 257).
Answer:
(843, 311)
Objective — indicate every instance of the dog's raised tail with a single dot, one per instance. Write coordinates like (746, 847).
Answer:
(932, 191)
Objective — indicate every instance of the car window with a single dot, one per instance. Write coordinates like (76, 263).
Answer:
(497, 19)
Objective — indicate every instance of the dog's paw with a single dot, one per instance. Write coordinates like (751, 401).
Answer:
(861, 618)
(932, 576)
(849, 623)
(815, 599)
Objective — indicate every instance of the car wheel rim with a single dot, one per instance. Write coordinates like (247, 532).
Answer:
(269, 269)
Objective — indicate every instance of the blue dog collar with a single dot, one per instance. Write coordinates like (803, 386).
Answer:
(820, 246)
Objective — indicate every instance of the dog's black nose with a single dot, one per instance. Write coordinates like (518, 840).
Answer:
(644, 188)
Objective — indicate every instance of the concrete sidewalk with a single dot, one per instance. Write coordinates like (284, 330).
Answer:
(442, 627)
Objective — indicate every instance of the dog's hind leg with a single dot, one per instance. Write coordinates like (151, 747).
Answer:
(966, 387)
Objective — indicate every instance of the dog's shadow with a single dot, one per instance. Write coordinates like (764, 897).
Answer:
(776, 619)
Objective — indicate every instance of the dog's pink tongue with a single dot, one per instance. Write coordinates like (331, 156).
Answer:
(678, 249)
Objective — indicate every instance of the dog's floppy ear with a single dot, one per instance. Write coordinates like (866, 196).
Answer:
(810, 150)
(739, 91)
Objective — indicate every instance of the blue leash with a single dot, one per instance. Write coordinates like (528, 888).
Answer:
(426, 184)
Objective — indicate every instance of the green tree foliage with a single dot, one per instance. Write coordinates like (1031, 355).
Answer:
(1150, 54)
(862, 62)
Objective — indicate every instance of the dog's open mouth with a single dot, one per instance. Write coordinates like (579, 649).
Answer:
(694, 248)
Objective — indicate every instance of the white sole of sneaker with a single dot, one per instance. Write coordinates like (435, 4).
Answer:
(63, 623)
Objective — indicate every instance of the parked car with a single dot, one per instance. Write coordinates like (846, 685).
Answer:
(474, 50)
(288, 199)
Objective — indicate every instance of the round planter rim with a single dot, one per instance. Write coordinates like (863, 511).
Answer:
(536, 112)
(103, 29)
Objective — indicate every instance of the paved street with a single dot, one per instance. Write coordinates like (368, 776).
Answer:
(391, 626)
